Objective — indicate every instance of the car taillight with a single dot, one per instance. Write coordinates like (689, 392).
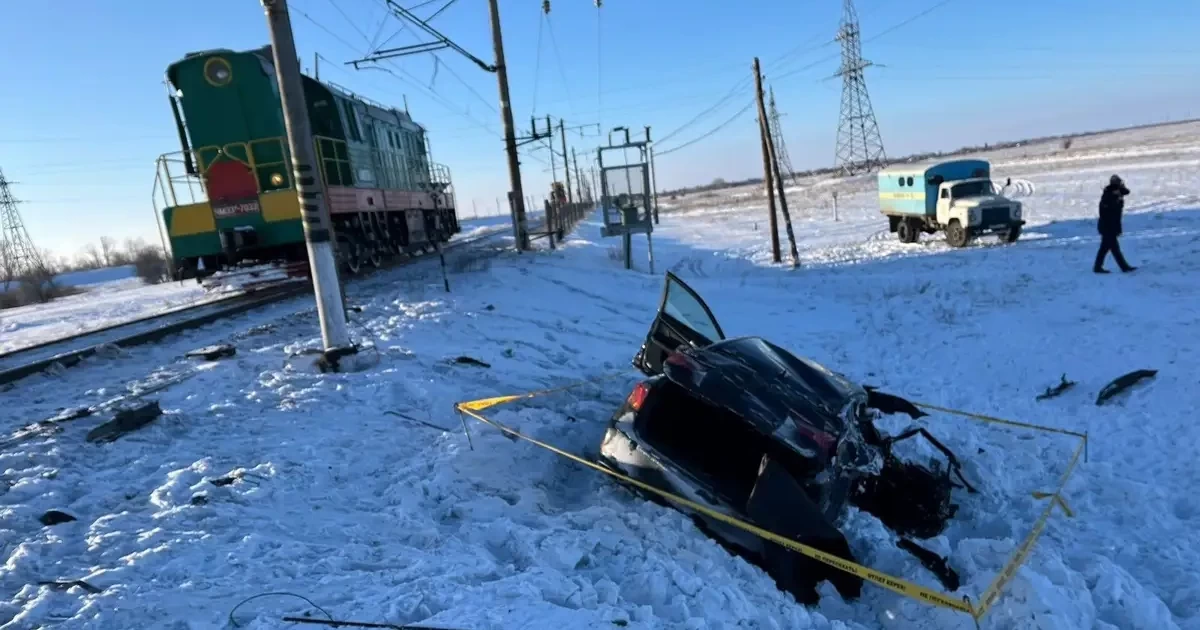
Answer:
(638, 396)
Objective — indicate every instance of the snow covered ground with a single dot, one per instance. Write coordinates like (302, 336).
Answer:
(115, 295)
(381, 518)
(99, 305)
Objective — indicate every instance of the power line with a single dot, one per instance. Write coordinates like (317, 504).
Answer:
(710, 132)
(599, 62)
(562, 71)
(732, 92)
(537, 63)
(797, 50)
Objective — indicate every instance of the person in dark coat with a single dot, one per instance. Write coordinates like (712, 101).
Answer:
(1112, 205)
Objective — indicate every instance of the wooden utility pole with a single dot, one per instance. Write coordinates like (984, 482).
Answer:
(562, 132)
(767, 171)
(510, 138)
(787, 217)
(318, 233)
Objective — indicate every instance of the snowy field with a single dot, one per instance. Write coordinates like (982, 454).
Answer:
(115, 295)
(383, 518)
(99, 305)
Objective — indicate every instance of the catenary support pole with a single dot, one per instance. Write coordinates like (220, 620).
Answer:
(510, 138)
(578, 178)
(318, 234)
(767, 175)
(562, 133)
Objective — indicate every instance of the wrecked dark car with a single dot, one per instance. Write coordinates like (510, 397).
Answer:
(751, 430)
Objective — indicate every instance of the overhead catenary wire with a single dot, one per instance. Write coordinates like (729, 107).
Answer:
(411, 80)
(599, 65)
(562, 70)
(433, 94)
(537, 63)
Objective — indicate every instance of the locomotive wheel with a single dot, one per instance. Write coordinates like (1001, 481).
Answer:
(351, 255)
(375, 258)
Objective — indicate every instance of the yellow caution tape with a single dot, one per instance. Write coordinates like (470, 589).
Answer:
(890, 582)
(1018, 558)
(995, 420)
(484, 403)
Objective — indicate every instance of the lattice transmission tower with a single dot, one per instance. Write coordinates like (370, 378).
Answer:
(18, 257)
(785, 162)
(859, 146)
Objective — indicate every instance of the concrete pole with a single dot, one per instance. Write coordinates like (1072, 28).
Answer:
(315, 216)
(510, 138)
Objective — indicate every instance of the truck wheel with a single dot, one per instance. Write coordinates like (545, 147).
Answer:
(908, 231)
(1011, 235)
(956, 234)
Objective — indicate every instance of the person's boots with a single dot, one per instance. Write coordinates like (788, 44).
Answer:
(1128, 268)
(1099, 270)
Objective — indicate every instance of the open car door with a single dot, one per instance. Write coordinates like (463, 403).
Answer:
(683, 319)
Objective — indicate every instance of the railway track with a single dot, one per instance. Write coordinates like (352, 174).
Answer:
(70, 351)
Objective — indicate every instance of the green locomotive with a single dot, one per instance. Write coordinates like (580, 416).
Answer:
(229, 196)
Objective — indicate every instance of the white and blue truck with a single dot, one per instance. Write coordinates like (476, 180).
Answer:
(956, 197)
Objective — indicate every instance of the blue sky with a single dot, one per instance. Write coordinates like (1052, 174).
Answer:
(83, 112)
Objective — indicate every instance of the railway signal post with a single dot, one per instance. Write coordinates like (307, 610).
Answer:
(318, 235)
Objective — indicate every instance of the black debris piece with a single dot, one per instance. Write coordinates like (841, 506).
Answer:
(465, 360)
(489, 307)
(55, 517)
(212, 353)
(74, 413)
(62, 585)
(890, 403)
(1123, 383)
(125, 421)
(1051, 392)
(199, 499)
(936, 564)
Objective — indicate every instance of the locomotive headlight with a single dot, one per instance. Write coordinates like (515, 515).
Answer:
(276, 179)
(217, 72)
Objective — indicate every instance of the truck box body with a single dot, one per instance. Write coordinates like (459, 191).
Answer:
(912, 190)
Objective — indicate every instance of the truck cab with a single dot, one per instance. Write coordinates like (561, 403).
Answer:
(957, 197)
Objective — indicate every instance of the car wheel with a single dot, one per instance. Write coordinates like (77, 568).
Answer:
(956, 234)
(1011, 235)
